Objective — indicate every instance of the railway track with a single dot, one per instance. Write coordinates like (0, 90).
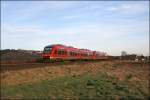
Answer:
(11, 67)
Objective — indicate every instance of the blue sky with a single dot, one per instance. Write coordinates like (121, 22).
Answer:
(111, 26)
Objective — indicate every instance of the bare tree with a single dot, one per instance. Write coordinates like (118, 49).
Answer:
(123, 53)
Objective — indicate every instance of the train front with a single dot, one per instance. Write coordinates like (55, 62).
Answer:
(47, 52)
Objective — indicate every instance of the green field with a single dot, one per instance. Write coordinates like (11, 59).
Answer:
(89, 86)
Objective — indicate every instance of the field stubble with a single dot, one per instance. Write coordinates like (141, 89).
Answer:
(133, 74)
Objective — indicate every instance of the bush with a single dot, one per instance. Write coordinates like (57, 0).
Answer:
(128, 76)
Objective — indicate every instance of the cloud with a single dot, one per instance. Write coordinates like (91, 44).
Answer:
(105, 31)
(72, 16)
(83, 25)
(19, 30)
(130, 8)
(22, 11)
(94, 36)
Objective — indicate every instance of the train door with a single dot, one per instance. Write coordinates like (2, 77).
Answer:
(55, 52)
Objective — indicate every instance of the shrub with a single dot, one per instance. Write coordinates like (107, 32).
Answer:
(128, 76)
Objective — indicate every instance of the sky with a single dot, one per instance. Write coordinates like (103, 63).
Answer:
(108, 26)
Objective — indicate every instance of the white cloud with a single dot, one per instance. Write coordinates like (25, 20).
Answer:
(130, 8)
(19, 30)
(72, 16)
(105, 30)
(94, 36)
(29, 10)
(98, 35)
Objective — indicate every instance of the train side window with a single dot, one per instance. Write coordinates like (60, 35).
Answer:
(63, 52)
(83, 54)
(75, 54)
(59, 52)
(86, 55)
(72, 53)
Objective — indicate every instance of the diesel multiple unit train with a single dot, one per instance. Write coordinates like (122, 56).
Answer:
(62, 52)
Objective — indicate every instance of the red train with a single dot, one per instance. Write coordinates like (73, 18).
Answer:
(62, 52)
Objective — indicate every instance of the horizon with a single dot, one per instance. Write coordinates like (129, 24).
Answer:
(111, 27)
(82, 48)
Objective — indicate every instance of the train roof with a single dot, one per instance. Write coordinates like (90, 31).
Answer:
(72, 48)
(54, 45)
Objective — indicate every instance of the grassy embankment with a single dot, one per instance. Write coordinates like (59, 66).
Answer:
(76, 87)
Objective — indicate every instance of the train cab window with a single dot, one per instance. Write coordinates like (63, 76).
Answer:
(47, 50)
